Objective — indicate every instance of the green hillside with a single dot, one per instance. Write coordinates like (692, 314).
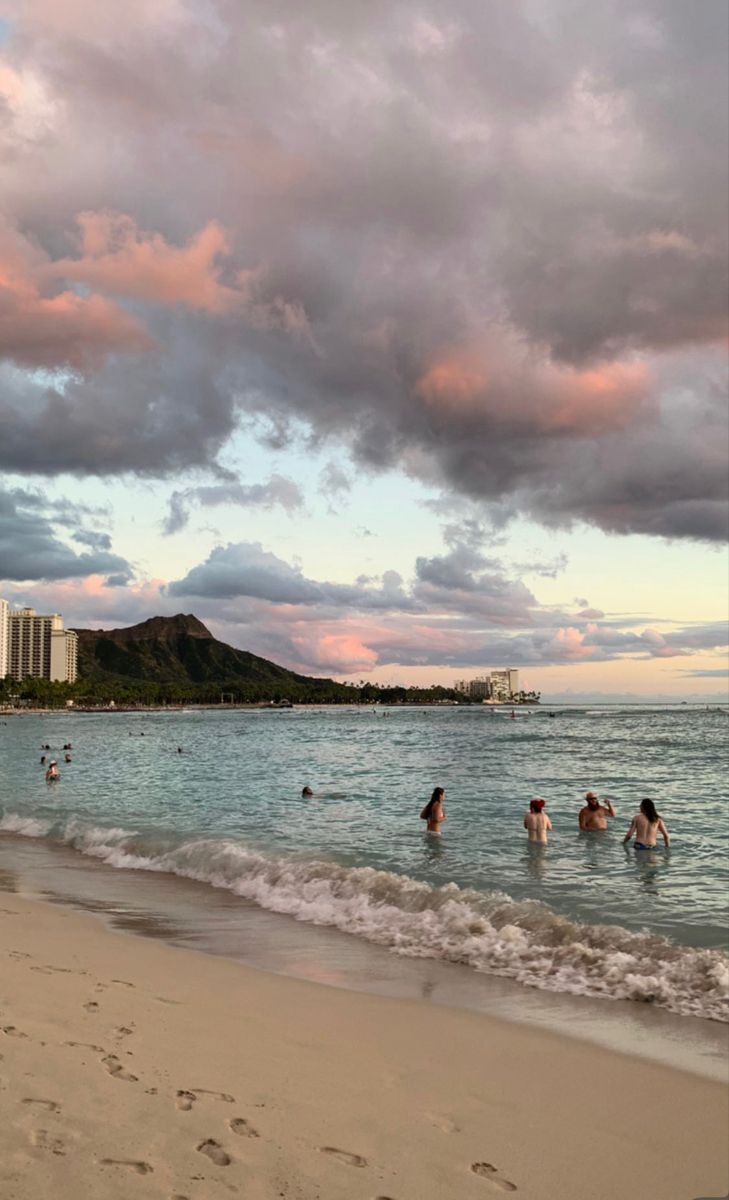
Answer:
(179, 655)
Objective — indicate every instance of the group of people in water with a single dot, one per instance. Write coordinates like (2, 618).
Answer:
(645, 827)
(52, 772)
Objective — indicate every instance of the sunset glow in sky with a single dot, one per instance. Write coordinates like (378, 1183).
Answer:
(387, 338)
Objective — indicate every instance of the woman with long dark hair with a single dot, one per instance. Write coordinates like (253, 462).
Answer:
(645, 827)
(434, 813)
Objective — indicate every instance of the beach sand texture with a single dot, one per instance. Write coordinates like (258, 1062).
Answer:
(130, 1069)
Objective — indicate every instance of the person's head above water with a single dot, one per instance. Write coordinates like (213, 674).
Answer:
(436, 798)
(648, 809)
(537, 804)
(592, 800)
(306, 791)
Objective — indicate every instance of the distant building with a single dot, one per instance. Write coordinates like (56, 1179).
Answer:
(37, 645)
(500, 685)
(504, 684)
(480, 688)
(4, 632)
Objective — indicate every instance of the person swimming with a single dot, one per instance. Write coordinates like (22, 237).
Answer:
(52, 773)
(306, 792)
(645, 827)
(536, 822)
(43, 760)
(67, 757)
(434, 813)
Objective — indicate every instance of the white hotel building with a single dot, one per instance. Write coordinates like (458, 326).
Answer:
(37, 645)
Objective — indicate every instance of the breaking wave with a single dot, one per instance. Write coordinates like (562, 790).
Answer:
(487, 931)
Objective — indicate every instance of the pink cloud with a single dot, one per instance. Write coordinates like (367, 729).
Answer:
(498, 378)
(118, 257)
(62, 329)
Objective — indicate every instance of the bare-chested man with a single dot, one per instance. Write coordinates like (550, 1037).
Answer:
(594, 815)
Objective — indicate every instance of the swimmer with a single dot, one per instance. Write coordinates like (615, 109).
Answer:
(67, 757)
(594, 815)
(179, 749)
(43, 760)
(645, 827)
(536, 822)
(306, 792)
(434, 813)
(52, 773)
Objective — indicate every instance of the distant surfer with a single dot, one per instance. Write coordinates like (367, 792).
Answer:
(434, 813)
(645, 827)
(594, 816)
(536, 822)
(52, 773)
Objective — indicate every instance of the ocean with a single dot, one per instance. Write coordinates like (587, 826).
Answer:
(583, 916)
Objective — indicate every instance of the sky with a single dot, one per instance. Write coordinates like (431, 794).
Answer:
(387, 338)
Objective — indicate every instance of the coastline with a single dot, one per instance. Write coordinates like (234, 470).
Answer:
(121, 1055)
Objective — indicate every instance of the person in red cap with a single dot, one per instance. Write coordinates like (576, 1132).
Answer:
(536, 822)
(594, 816)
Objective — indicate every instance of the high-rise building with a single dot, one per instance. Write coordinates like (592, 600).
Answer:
(38, 645)
(4, 610)
(504, 684)
(500, 685)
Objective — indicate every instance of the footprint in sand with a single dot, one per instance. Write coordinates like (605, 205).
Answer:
(486, 1171)
(445, 1124)
(91, 1006)
(47, 969)
(343, 1156)
(86, 1046)
(240, 1126)
(215, 1152)
(136, 1165)
(45, 1141)
(12, 1031)
(51, 1105)
(186, 1097)
(123, 1031)
(115, 1069)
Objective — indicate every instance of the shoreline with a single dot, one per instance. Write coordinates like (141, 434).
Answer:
(128, 1057)
(183, 912)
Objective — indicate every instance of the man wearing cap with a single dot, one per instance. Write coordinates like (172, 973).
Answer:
(594, 815)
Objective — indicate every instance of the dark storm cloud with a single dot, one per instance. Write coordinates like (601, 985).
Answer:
(486, 245)
(30, 549)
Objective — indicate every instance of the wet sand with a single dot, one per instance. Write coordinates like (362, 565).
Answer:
(134, 1069)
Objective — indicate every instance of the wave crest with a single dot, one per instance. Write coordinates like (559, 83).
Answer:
(487, 931)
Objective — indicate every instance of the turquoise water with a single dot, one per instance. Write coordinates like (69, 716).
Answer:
(582, 915)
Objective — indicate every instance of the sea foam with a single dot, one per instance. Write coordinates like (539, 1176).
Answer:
(487, 931)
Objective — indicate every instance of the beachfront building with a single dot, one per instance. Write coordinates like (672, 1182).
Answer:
(504, 684)
(38, 645)
(500, 686)
(4, 610)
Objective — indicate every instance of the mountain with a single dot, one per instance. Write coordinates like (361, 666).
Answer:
(181, 652)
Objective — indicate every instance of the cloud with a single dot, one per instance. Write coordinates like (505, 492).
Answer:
(30, 549)
(488, 250)
(42, 326)
(278, 490)
(245, 569)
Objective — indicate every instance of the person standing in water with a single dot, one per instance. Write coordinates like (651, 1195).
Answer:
(434, 813)
(594, 815)
(645, 827)
(52, 772)
(536, 822)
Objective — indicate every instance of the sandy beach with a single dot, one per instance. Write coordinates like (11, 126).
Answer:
(133, 1069)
